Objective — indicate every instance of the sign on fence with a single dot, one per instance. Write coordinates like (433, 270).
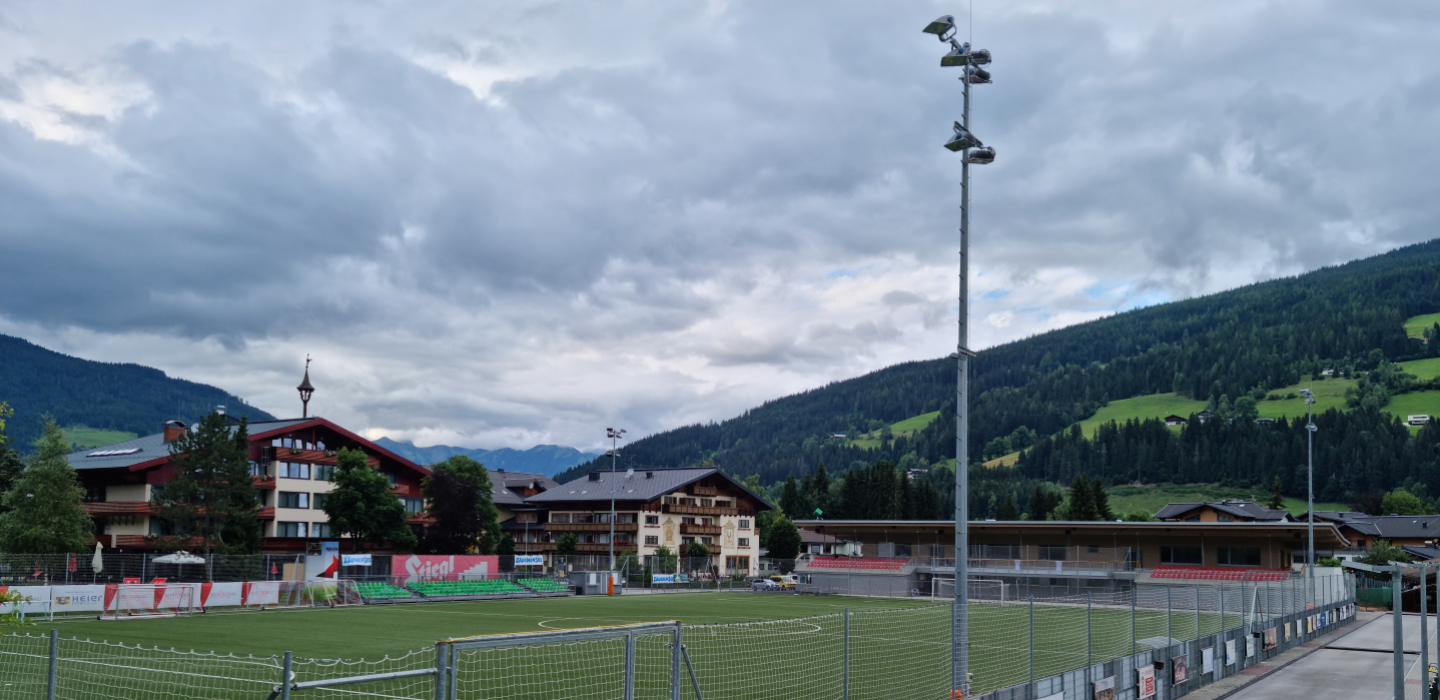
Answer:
(662, 578)
(1230, 657)
(1179, 664)
(1146, 681)
(1105, 689)
(418, 567)
(1207, 660)
(529, 560)
(355, 560)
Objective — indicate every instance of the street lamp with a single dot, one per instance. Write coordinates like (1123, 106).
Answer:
(963, 56)
(1310, 496)
(614, 454)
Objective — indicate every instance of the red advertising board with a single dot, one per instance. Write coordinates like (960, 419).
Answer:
(434, 567)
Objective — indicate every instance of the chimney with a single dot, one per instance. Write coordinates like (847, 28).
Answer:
(649, 475)
(594, 476)
(173, 430)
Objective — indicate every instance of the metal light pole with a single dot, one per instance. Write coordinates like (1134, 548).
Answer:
(1310, 493)
(615, 436)
(972, 151)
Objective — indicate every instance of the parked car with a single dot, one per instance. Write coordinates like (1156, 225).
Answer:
(764, 584)
(786, 583)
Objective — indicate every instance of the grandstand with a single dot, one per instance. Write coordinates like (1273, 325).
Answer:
(376, 591)
(1213, 573)
(465, 589)
(866, 564)
(545, 585)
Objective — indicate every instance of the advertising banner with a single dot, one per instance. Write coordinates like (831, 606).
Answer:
(67, 599)
(1105, 689)
(1230, 656)
(355, 560)
(1145, 681)
(662, 578)
(1250, 646)
(39, 598)
(262, 593)
(1178, 664)
(1207, 660)
(1271, 638)
(221, 595)
(418, 567)
(529, 560)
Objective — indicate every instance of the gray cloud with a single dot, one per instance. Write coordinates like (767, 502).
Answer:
(510, 226)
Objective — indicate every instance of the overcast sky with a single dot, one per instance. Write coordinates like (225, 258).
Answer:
(509, 223)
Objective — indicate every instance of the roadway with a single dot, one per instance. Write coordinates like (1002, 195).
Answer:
(1357, 666)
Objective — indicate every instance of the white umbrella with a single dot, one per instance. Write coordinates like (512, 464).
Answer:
(179, 558)
(97, 564)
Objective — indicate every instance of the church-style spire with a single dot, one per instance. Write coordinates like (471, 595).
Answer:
(305, 390)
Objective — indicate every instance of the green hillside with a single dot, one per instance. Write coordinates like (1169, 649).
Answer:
(1415, 326)
(98, 396)
(1141, 407)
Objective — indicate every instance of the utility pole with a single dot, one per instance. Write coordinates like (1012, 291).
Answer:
(614, 453)
(1310, 493)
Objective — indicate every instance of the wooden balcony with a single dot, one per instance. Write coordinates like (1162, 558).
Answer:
(266, 513)
(119, 508)
(699, 529)
(582, 547)
(590, 527)
(699, 490)
(264, 482)
(699, 510)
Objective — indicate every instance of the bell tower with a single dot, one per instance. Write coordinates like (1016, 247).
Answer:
(305, 390)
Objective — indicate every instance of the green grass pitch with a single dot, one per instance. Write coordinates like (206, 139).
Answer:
(911, 646)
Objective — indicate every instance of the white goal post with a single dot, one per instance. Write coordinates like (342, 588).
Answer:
(134, 601)
(980, 589)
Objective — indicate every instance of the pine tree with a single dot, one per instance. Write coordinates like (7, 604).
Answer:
(42, 508)
(210, 497)
(362, 507)
(1007, 509)
(1102, 500)
(1082, 500)
(10, 463)
(790, 500)
(567, 543)
(1276, 501)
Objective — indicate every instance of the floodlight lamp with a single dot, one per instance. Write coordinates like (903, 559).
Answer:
(962, 139)
(976, 75)
(981, 155)
(963, 55)
(941, 27)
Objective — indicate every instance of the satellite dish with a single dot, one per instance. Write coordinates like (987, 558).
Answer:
(629, 473)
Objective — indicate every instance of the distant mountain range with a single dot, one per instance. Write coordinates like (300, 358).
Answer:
(540, 459)
(111, 396)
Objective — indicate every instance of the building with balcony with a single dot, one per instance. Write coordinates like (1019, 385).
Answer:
(291, 461)
(654, 508)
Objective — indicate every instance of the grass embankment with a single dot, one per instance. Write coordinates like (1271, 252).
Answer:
(1415, 325)
(86, 437)
(1127, 498)
(905, 428)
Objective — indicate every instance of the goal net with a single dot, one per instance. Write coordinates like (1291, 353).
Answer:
(980, 589)
(127, 601)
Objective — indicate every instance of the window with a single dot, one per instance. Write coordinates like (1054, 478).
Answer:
(1360, 543)
(721, 503)
(737, 563)
(652, 520)
(94, 494)
(559, 517)
(294, 470)
(390, 478)
(259, 468)
(687, 521)
(1052, 552)
(324, 472)
(1092, 550)
(706, 502)
(293, 499)
(292, 529)
(1182, 555)
(652, 540)
(317, 501)
(708, 540)
(670, 500)
(744, 524)
(321, 530)
(744, 541)
(1238, 556)
(1193, 519)
(527, 517)
(624, 517)
(413, 505)
(1225, 519)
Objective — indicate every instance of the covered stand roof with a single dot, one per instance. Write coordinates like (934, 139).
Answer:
(641, 485)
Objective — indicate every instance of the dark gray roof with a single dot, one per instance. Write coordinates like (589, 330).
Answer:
(1392, 526)
(643, 485)
(502, 482)
(1422, 553)
(1241, 509)
(150, 447)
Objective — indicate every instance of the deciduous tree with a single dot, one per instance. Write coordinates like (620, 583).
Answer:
(784, 539)
(362, 507)
(459, 494)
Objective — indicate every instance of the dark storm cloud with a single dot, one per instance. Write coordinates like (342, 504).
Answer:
(729, 200)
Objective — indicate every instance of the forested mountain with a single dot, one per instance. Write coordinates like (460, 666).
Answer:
(128, 397)
(540, 459)
(1259, 337)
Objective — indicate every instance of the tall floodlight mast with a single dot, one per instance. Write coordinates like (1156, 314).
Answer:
(973, 151)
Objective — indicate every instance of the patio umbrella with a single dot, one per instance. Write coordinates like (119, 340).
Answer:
(97, 564)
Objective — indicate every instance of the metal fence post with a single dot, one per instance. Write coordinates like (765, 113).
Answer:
(285, 676)
(1424, 635)
(1399, 640)
(675, 663)
(1197, 612)
(54, 658)
(440, 669)
(1169, 633)
(1088, 659)
(1033, 693)
(847, 655)
(1134, 640)
(630, 666)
